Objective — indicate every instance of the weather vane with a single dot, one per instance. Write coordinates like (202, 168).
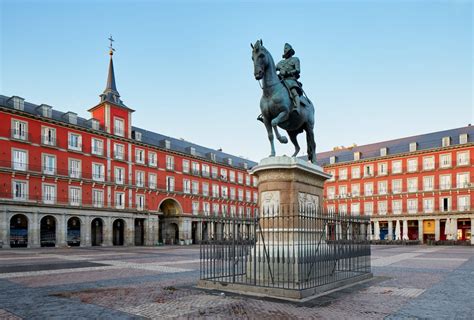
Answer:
(111, 45)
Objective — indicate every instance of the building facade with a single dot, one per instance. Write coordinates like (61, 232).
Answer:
(66, 180)
(414, 188)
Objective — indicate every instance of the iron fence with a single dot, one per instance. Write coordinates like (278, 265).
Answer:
(288, 247)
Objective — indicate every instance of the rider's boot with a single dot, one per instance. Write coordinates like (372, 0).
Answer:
(260, 118)
(296, 105)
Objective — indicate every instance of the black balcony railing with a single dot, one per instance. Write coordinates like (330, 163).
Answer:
(19, 134)
(48, 140)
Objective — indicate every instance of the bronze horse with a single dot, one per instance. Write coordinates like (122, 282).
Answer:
(275, 105)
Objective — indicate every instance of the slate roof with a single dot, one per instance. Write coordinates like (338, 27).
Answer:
(397, 146)
(148, 137)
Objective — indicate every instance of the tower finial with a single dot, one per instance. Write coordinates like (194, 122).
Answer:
(111, 47)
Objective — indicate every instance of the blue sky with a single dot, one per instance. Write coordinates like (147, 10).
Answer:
(376, 70)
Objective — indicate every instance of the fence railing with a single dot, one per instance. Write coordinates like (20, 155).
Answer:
(286, 247)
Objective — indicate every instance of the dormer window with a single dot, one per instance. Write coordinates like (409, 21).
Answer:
(356, 156)
(191, 150)
(119, 127)
(166, 144)
(17, 102)
(228, 161)
(138, 136)
(70, 117)
(463, 138)
(332, 160)
(211, 156)
(95, 124)
(45, 110)
(446, 141)
(383, 152)
(413, 146)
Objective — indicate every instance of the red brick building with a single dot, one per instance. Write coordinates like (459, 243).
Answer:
(68, 180)
(413, 188)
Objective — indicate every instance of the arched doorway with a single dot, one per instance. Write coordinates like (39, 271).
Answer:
(74, 232)
(204, 231)
(97, 236)
(195, 232)
(48, 231)
(139, 232)
(168, 222)
(118, 228)
(18, 231)
(172, 233)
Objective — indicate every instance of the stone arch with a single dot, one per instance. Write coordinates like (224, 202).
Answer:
(19, 231)
(48, 227)
(73, 232)
(118, 232)
(170, 207)
(97, 232)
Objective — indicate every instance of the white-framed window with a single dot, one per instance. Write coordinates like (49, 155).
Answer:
(75, 141)
(49, 164)
(357, 155)
(214, 172)
(397, 206)
(215, 209)
(119, 200)
(233, 211)
(248, 196)
(20, 159)
(195, 168)
(445, 204)
(119, 151)
(331, 191)
(97, 198)
(75, 195)
(412, 184)
(119, 175)
(215, 190)
(355, 172)
(152, 181)
(342, 208)
(383, 152)
(240, 178)
(240, 194)
(232, 176)
(342, 191)
(206, 208)
(412, 205)
(224, 174)
(140, 202)
(224, 192)
(412, 164)
(462, 180)
(355, 209)
(224, 210)
(342, 173)
(98, 170)
(333, 175)
(186, 186)
(119, 127)
(445, 160)
(397, 166)
(48, 136)
(152, 159)
(462, 158)
(382, 207)
(412, 146)
(49, 193)
(355, 190)
(20, 190)
(368, 208)
(428, 205)
(140, 156)
(241, 211)
(368, 188)
(464, 203)
(446, 141)
(445, 182)
(232, 193)
(19, 130)
(195, 207)
(205, 170)
(195, 187)
(397, 186)
(186, 166)
(428, 163)
(75, 170)
(170, 184)
(382, 169)
(255, 181)
(97, 146)
(247, 180)
(255, 197)
(428, 183)
(382, 187)
(139, 178)
(463, 138)
(169, 163)
(368, 170)
(205, 189)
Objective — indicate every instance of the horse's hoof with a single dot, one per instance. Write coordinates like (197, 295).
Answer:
(283, 139)
(272, 155)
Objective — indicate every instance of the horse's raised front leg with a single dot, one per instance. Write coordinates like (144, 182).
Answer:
(268, 126)
(282, 116)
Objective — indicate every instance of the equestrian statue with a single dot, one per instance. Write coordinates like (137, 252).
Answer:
(284, 103)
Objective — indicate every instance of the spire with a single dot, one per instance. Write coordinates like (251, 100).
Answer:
(110, 93)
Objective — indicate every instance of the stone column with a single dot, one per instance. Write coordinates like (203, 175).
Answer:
(4, 229)
(86, 231)
(472, 231)
(405, 230)
(61, 230)
(454, 224)
(108, 231)
(33, 231)
(129, 232)
(390, 230)
(420, 230)
(369, 231)
(376, 230)
(437, 229)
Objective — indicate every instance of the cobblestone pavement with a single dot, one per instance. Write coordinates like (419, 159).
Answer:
(126, 283)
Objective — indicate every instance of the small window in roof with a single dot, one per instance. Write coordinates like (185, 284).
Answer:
(413, 146)
(138, 136)
(446, 141)
(463, 138)
(357, 155)
(332, 160)
(18, 102)
(383, 152)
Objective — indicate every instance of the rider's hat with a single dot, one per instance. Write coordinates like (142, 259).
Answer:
(288, 51)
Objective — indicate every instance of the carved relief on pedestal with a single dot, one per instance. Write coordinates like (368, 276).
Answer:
(270, 203)
(308, 203)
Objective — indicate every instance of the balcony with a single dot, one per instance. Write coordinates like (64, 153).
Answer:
(21, 135)
(48, 141)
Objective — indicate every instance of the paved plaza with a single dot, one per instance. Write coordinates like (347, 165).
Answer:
(157, 283)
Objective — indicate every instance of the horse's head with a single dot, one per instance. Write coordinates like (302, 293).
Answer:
(260, 59)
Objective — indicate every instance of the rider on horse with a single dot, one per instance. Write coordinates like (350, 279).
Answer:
(289, 73)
